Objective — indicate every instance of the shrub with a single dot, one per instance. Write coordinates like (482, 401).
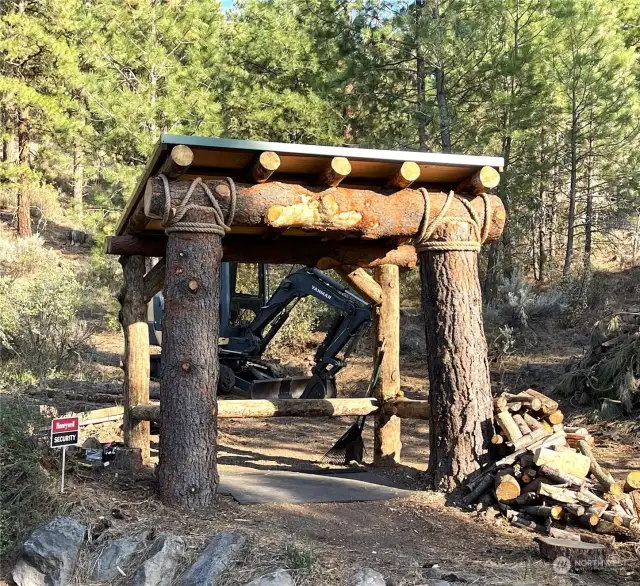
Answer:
(38, 323)
(28, 493)
(519, 306)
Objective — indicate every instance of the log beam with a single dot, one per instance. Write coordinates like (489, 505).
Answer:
(262, 408)
(325, 254)
(481, 181)
(265, 165)
(337, 169)
(154, 280)
(357, 212)
(362, 282)
(187, 472)
(133, 317)
(177, 162)
(386, 327)
(406, 175)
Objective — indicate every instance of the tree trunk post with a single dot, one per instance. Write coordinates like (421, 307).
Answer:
(460, 391)
(187, 474)
(133, 317)
(387, 444)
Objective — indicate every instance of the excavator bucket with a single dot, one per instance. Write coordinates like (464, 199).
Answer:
(286, 388)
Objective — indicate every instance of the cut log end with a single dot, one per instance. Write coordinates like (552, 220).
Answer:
(337, 169)
(408, 173)
(632, 482)
(265, 165)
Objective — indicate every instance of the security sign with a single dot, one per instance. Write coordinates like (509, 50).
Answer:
(65, 432)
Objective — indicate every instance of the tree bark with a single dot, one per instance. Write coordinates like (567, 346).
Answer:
(24, 199)
(460, 390)
(187, 474)
(386, 442)
(133, 317)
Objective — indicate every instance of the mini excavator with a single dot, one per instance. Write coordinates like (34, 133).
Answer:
(242, 341)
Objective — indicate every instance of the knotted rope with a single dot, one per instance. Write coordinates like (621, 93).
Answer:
(480, 229)
(171, 218)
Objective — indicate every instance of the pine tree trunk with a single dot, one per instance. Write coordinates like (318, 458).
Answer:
(460, 391)
(588, 217)
(420, 79)
(78, 176)
(441, 92)
(542, 220)
(187, 473)
(24, 200)
(5, 142)
(568, 257)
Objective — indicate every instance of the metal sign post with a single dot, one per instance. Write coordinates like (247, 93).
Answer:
(65, 431)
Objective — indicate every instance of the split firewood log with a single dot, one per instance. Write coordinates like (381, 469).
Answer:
(576, 464)
(548, 405)
(557, 493)
(532, 422)
(562, 477)
(529, 439)
(508, 425)
(524, 428)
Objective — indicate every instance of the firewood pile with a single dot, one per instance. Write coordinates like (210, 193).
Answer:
(547, 479)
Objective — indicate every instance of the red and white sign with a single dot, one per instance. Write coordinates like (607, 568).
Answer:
(65, 424)
(65, 432)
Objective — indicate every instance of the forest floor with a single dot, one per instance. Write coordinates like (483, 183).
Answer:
(401, 538)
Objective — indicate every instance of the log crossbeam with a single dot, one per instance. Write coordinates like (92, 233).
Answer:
(262, 408)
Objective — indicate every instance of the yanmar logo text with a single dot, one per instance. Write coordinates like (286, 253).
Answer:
(321, 292)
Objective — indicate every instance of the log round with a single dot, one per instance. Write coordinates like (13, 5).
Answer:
(580, 556)
(367, 213)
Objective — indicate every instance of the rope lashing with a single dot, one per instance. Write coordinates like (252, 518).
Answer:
(480, 228)
(171, 218)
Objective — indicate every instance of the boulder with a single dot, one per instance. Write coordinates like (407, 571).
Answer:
(278, 578)
(117, 553)
(161, 563)
(368, 577)
(50, 553)
(221, 552)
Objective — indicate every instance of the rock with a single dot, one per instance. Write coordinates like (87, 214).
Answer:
(50, 553)
(117, 553)
(464, 578)
(221, 552)
(278, 578)
(368, 577)
(162, 562)
(434, 572)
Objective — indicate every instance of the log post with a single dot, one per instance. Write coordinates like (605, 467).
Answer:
(187, 474)
(460, 390)
(133, 317)
(387, 444)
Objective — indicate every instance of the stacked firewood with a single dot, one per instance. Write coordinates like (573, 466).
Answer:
(547, 480)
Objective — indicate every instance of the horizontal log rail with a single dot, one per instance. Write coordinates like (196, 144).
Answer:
(250, 248)
(258, 408)
(359, 212)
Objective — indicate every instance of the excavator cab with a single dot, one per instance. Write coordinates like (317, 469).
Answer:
(249, 321)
